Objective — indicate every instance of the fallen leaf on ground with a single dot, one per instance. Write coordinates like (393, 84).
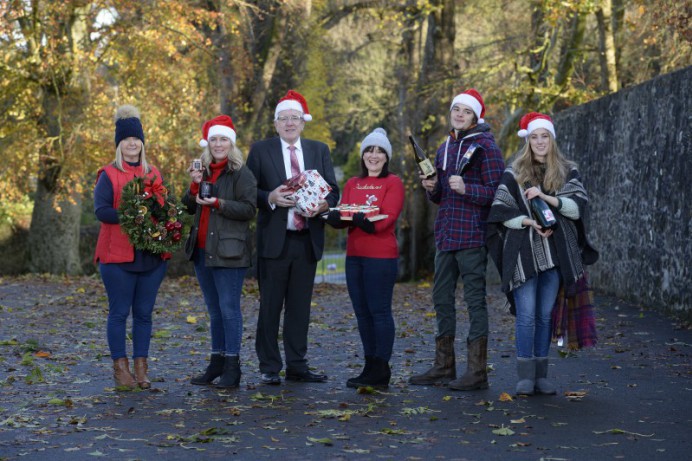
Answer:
(503, 431)
(324, 441)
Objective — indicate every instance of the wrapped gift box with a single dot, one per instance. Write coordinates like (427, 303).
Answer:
(308, 188)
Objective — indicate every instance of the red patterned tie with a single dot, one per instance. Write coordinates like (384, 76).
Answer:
(298, 220)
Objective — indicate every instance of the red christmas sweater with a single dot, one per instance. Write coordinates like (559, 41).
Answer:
(386, 193)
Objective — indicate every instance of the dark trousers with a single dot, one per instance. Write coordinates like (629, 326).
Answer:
(449, 266)
(370, 287)
(286, 284)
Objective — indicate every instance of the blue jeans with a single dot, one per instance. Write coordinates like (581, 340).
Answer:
(470, 265)
(534, 301)
(221, 287)
(370, 285)
(136, 290)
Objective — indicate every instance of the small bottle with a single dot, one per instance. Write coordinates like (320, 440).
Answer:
(542, 212)
(206, 189)
(426, 168)
(465, 162)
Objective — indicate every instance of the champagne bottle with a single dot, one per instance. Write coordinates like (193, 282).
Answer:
(541, 212)
(426, 168)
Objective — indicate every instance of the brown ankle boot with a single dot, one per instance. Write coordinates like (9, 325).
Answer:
(122, 375)
(476, 375)
(141, 369)
(444, 369)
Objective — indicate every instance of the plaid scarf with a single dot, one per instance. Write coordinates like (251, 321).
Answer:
(573, 316)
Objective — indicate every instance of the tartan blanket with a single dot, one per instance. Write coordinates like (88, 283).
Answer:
(573, 315)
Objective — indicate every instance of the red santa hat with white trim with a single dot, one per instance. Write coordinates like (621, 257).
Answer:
(473, 99)
(293, 100)
(220, 125)
(534, 120)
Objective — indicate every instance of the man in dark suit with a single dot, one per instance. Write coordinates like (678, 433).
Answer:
(288, 244)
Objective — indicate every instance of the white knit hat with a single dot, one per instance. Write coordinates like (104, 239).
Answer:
(378, 138)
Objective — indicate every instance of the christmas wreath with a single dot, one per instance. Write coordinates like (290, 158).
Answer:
(149, 215)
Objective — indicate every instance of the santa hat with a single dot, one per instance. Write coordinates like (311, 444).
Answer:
(127, 124)
(473, 99)
(293, 100)
(220, 125)
(533, 121)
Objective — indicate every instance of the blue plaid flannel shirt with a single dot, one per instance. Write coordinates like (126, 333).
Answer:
(461, 219)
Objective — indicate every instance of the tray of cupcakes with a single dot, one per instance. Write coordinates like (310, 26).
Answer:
(370, 211)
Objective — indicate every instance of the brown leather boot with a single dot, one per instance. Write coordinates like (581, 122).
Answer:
(476, 375)
(122, 375)
(141, 369)
(444, 369)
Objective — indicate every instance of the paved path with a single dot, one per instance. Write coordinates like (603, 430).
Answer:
(629, 398)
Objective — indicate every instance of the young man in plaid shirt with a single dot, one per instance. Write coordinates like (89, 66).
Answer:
(469, 166)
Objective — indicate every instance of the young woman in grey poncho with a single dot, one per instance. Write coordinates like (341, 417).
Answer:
(534, 261)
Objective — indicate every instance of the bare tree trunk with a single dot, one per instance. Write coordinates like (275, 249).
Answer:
(540, 48)
(430, 71)
(606, 44)
(53, 243)
(571, 49)
(405, 74)
(538, 52)
(223, 42)
(618, 12)
(269, 51)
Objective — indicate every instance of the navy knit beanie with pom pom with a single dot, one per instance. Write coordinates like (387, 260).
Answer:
(127, 124)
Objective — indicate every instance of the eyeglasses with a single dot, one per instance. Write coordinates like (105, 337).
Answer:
(292, 118)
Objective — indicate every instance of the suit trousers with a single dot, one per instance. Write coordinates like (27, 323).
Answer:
(286, 284)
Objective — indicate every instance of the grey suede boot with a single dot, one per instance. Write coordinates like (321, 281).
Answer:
(444, 369)
(526, 371)
(542, 385)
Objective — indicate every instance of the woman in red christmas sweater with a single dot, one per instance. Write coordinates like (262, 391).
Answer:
(372, 255)
(219, 245)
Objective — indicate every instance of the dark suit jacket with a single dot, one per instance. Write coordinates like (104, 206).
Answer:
(265, 160)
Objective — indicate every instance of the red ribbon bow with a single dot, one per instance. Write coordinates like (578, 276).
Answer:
(157, 190)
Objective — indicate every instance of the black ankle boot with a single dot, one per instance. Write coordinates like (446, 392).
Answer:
(366, 370)
(379, 375)
(231, 372)
(213, 371)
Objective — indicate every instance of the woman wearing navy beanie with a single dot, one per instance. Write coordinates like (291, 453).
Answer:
(131, 277)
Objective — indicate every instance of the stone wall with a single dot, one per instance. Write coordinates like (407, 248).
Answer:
(634, 154)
